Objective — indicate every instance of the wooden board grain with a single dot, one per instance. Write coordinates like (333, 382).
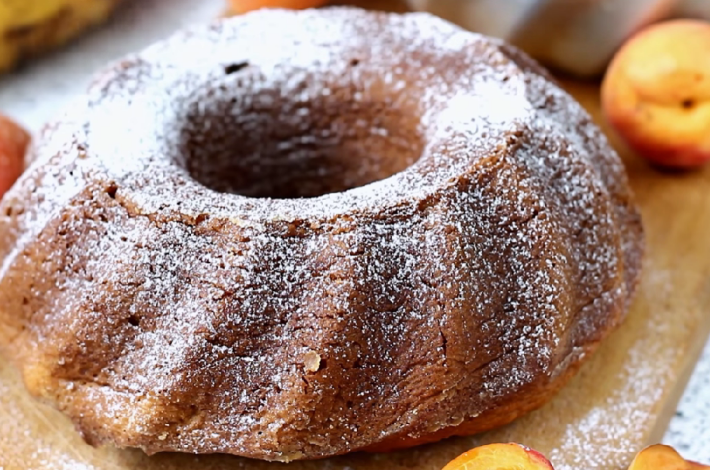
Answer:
(621, 400)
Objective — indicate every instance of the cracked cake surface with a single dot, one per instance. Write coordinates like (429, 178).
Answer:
(360, 231)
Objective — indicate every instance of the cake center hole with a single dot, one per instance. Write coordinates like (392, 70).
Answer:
(271, 146)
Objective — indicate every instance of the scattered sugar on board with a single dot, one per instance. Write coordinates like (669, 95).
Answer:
(606, 436)
(22, 421)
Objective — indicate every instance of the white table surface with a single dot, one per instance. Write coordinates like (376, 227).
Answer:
(35, 94)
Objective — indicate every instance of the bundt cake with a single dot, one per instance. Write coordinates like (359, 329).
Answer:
(298, 234)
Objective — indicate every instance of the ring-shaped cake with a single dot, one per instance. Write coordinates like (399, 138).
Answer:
(298, 234)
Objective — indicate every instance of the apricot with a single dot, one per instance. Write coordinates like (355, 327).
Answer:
(661, 457)
(656, 93)
(500, 457)
(238, 7)
(13, 145)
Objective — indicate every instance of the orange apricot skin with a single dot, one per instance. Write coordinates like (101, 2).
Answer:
(656, 93)
(238, 7)
(14, 141)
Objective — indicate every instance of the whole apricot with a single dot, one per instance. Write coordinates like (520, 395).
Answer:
(238, 7)
(13, 144)
(656, 93)
(500, 457)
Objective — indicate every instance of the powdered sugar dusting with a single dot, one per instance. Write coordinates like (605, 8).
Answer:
(480, 261)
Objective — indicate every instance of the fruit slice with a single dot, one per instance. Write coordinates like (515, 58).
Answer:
(661, 457)
(500, 457)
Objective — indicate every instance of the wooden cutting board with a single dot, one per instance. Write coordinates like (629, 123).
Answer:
(622, 399)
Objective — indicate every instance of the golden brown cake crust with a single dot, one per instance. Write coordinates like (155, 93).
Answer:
(371, 231)
(30, 34)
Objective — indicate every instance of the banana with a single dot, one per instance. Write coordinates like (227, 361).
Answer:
(30, 27)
